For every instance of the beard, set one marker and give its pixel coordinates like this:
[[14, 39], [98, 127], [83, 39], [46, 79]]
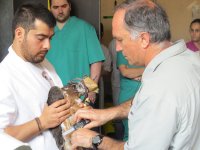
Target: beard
[[29, 56], [62, 18]]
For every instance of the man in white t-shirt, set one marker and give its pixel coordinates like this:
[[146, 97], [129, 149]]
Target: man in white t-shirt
[[24, 114]]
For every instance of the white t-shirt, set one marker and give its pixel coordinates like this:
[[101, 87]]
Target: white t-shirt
[[165, 114], [24, 92], [9, 143]]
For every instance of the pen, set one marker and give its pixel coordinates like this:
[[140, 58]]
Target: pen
[[76, 126]]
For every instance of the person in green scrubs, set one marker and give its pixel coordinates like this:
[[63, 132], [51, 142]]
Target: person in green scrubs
[[75, 49], [129, 83]]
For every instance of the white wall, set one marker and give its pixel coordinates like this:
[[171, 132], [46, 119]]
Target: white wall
[[6, 15]]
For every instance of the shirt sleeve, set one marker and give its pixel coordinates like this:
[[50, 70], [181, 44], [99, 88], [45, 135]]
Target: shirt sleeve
[[8, 142], [8, 108], [95, 51]]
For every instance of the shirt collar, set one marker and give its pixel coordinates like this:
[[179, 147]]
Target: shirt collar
[[56, 29], [177, 48]]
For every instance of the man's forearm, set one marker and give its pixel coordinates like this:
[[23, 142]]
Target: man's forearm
[[121, 111], [95, 71], [134, 72], [111, 144], [23, 132], [131, 72]]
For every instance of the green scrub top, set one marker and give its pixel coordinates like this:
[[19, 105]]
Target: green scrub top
[[128, 88], [73, 49]]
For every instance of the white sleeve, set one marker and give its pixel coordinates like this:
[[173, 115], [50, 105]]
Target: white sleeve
[[8, 107], [9, 143]]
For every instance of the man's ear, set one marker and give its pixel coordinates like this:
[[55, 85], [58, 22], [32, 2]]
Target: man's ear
[[145, 39], [19, 34]]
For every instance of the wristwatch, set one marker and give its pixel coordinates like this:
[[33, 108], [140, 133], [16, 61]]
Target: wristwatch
[[96, 141]]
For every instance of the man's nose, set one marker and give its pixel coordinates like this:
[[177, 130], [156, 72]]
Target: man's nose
[[60, 9], [47, 44], [118, 47]]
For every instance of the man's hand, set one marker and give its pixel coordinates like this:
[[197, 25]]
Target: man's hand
[[51, 117], [83, 138], [96, 116], [55, 114], [92, 96]]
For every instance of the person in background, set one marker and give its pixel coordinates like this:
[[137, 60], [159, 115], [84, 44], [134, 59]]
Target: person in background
[[115, 74], [115, 86], [194, 44], [76, 50], [130, 77], [24, 114], [105, 71], [165, 112], [106, 65]]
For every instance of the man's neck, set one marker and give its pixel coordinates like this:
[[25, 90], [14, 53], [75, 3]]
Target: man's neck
[[16, 49], [60, 25], [155, 49]]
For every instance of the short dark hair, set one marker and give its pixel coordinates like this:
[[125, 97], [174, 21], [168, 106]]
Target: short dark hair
[[69, 1], [27, 13], [146, 16], [195, 21]]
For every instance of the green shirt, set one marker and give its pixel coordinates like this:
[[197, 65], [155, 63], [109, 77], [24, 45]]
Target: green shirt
[[128, 87], [73, 49]]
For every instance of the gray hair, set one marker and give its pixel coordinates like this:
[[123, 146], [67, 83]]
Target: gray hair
[[146, 16]]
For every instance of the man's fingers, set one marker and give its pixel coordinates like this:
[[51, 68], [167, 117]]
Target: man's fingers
[[60, 102], [86, 114], [63, 107], [65, 113], [82, 114], [90, 125]]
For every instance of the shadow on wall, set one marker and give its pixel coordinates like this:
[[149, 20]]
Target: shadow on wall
[[6, 15], [89, 12]]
